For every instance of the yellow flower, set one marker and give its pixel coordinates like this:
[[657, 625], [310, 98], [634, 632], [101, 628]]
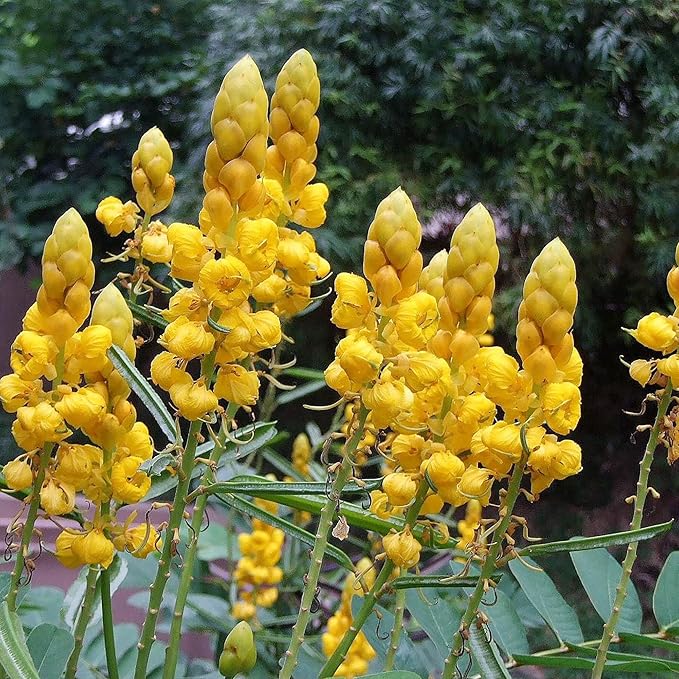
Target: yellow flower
[[270, 290], [57, 497], [226, 282], [64, 548], [553, 460], [476, 483], [168, 370], [309, 210], [353, 304], [189, 251], [187, 339], [37, 425], [293, 299], [33, 356], [561, 406], [136, 442], [15, 392], [83, 408], [116, 216], [193, 399], [498, 370], [266, 331], [642, 371], [387, 399], [400, 488], [402, 548], [258, 246], [359, 359], [407, 450], [336, 378], [187, 302], [155, 245], [670, 367], [673, 279], [141, 540], [423, 370], [237, 385], [93, 548], [18, 474], [657, 332], [75, 463], [415, 320], [301, 453], [128, 484], [444, 470], [151, 178]]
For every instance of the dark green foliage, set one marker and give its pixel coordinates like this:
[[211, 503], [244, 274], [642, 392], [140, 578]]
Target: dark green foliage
[[79, 83], [562, 117]]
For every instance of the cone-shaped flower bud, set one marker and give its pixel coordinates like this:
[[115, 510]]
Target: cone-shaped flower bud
[[469, 282], [673, 281], [546, 313], [151, 178], [431, 278], [239, 653], [391, 259], [237, 155], [111, 311], [63, 300]]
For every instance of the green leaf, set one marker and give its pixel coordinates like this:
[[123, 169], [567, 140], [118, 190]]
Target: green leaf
[[300, 392], [147, 314], [50, 648], [356, 516], [486, 655], [505, 624], [542, 593], [427, 581], [252, 437], [141, 387], [641, 663], [282, 464], [599, 574], [398, 674], [290, 529], [262, 486], [15, 658], [305, 373], [598, 541], [647, 640], [562, 662], [439, 621], [666, 594]]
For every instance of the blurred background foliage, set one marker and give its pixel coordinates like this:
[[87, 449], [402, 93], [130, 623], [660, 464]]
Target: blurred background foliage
[[563, 118]]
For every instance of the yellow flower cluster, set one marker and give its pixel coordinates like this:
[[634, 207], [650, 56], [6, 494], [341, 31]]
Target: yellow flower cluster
[[360, 653], [247, 268], [660, 333], [257, 572], [453, 410], [85, 393]]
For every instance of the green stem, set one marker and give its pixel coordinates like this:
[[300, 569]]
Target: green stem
[[27, 532], [376, 591], [637, 518], [320, 543], [148, 635], [489, 564], [187, 568], [399, 608], [269, 400], [84, 618], [107, 619]]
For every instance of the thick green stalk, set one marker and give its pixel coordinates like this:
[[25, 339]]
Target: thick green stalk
[[320, 543], [370, 599], [399, 608], [84, 618], [107, 620], [637, 518], [174, 642], [27, 531], [148, 634], [489, 564]]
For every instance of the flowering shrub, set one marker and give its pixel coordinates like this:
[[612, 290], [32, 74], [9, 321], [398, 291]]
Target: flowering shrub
[[454, 423]]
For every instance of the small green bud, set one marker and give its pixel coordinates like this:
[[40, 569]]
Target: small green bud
[[240, 652]]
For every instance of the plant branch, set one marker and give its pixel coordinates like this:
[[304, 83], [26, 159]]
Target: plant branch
[[399, 608], [490, 563], [637, 518], [84, 618], [320, 544], [107, 620]]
